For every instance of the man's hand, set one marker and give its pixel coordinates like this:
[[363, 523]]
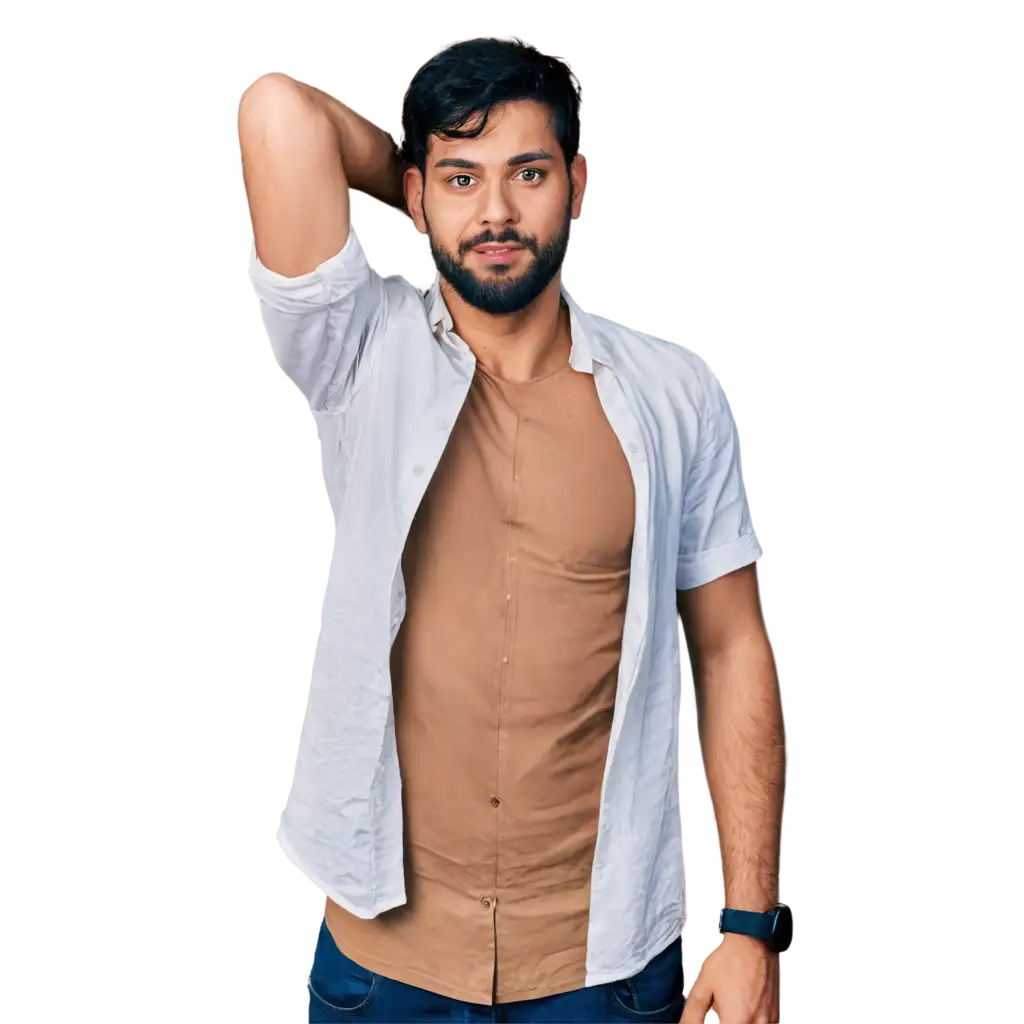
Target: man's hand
[[740, 980]]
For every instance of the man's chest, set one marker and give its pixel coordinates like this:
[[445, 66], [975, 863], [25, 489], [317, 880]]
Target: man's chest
[[538, 463]]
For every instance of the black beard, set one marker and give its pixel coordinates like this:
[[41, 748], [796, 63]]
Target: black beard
[[504, 294]]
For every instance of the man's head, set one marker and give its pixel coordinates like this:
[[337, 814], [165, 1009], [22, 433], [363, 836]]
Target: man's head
[[491, 138]]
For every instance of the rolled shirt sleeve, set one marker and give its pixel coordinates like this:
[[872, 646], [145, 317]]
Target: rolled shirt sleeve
[[716, 534], [322, 324]]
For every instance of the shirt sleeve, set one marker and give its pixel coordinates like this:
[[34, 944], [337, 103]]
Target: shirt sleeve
[[716, 534], [322, 324]]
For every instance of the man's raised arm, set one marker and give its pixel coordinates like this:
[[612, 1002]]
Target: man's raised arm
[[301, 152], [322, 303]]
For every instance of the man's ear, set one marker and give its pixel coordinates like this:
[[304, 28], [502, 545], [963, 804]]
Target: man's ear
[[412, 185], [578, 181]]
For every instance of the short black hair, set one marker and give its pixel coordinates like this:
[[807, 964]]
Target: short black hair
[[477, 74]]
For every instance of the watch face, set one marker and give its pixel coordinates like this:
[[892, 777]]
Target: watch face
[[782, 929]]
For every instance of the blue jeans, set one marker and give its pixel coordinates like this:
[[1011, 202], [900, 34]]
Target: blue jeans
[[340, 989]]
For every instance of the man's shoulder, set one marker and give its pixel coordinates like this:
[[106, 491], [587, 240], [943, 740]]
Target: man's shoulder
[[401, 291], [405, 304], [656, 361]]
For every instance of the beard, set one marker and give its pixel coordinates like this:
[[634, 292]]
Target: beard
[[504, 294]]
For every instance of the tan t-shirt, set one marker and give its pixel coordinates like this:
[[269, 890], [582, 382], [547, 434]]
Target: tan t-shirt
[[504, 678]]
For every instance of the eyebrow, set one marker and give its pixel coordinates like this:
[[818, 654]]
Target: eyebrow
[[513, 161]]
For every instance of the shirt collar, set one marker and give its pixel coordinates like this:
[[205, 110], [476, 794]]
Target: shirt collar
[[587, 340]]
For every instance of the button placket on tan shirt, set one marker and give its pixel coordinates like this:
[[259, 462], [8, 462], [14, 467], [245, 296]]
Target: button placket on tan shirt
[[506, 671]]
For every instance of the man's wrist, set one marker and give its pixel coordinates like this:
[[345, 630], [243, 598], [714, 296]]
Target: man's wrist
[[773, 927], [747, 942], [755, 902]]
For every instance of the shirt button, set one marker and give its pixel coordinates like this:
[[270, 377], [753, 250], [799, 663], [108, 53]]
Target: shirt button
[[508, 597], [495, 801], [417, 469], [485, 902], [632, 447], [504, 660], [439, 423], [515, 479]]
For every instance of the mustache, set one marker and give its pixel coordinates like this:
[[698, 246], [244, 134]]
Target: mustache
[[509, 237]]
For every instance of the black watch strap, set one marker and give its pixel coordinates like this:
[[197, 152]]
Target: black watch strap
[[774, 927]]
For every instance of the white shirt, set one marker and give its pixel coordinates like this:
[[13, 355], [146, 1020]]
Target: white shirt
[[385, 390]]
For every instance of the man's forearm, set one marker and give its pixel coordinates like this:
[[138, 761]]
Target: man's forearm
[[369, 155], [739, 714]]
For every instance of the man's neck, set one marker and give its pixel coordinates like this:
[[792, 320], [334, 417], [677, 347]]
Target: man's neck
[[516, 346]]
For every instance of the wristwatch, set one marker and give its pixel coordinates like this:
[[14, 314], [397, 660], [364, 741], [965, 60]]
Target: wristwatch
[[774, 927]]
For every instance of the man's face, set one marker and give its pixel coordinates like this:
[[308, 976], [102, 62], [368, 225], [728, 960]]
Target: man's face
[[473, 195]]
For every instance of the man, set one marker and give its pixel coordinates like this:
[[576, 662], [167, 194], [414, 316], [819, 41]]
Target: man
[[486, 788]]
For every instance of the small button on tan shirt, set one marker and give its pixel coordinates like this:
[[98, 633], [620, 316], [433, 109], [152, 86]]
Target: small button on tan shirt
[[504, 679]]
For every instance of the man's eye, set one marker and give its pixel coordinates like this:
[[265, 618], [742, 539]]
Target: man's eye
[[457, 176], [533, 170]]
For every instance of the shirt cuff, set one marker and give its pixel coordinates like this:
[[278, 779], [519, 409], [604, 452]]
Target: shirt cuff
[[344, 270], [701, 567]]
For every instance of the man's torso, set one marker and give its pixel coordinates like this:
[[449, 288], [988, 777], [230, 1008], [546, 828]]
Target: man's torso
[[504, 676]]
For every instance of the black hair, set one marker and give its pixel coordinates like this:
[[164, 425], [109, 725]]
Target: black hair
[[477, 74]]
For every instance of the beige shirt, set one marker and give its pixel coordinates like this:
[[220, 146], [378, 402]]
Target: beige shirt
[[504, 674]]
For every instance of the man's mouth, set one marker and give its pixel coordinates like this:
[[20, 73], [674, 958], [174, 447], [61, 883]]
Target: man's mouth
[[492, 253]]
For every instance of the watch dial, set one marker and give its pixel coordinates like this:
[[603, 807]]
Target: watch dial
[[782, 929]]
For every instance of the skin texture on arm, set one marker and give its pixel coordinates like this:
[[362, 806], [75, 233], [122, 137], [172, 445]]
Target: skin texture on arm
[[739, 716], [369, 155], [301, 152]]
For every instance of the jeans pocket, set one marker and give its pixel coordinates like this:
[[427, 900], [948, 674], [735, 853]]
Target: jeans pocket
[[656, 992], [338, 986]]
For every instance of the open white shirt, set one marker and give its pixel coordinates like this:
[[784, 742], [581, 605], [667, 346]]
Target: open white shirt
[[385, 391]]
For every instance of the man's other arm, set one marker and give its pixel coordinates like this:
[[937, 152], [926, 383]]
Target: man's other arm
[[739, 719]]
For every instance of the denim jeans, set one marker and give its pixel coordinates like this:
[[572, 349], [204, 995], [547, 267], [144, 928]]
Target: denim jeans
[[340, 989]]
